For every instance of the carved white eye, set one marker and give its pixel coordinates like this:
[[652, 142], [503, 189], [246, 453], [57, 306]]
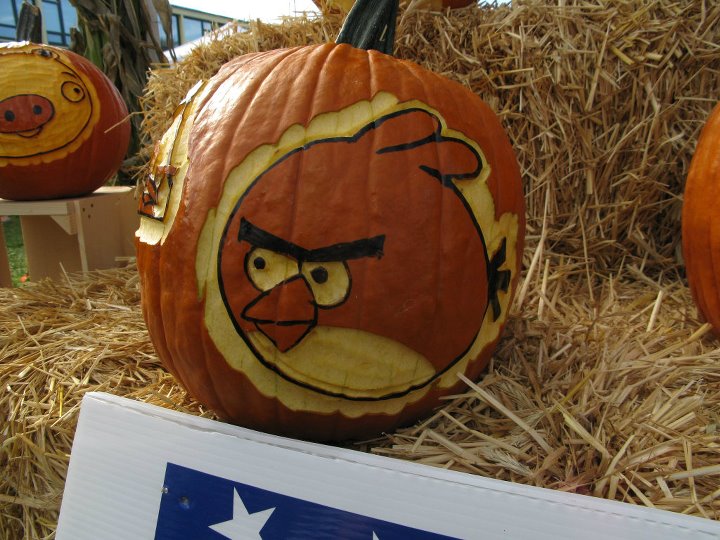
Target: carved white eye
[[72, 91], [266, 268], [329, 281]]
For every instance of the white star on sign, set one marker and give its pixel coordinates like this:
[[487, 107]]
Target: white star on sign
[[243, 525]]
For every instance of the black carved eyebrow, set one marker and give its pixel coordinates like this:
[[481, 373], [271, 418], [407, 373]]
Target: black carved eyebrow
[[357, 249]]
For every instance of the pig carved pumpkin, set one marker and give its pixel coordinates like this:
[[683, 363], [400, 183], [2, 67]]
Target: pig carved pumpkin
[[63, 128], [701, 222], [328, 236]]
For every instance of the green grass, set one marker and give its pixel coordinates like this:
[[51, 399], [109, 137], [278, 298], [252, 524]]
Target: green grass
[[15, 249]]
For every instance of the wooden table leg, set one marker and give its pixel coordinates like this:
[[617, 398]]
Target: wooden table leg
[[5, 278]]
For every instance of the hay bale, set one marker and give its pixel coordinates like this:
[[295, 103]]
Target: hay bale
[[605, 383]]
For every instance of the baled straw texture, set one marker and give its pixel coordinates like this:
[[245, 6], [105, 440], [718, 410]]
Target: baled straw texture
[[606, 383]]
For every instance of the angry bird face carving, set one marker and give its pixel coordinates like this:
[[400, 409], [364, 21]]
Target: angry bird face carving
[[320, 276], [364, 273]]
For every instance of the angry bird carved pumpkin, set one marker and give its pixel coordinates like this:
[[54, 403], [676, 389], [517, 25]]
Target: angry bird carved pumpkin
[[325, 268], [62, 123]]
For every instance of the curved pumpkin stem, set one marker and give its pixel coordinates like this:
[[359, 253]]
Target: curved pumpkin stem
[[370, 24]]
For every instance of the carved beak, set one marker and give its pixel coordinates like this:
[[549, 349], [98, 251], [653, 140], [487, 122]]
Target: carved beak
[[285, 313]]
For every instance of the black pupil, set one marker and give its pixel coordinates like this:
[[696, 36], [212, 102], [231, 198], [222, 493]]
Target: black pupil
[[44, 53], [37, 109], [259, 263], [9, 116], [319, 274]]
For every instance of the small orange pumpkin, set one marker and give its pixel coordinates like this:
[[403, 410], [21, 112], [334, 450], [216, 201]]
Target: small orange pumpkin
[[701, 222], [63, 128], [328, 236]]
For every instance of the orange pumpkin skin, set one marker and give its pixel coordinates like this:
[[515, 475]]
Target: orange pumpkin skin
[[63, 124], [291, 154], [701, 222]]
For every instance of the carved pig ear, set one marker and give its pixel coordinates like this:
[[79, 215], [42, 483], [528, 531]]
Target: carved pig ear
[[417, 133]]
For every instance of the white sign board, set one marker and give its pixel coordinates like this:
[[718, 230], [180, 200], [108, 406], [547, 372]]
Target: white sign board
[[144, 472]]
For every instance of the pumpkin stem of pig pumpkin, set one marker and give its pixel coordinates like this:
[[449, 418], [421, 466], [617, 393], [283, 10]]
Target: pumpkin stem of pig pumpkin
[[370, 24]]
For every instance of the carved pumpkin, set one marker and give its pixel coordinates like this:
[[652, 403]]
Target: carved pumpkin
[[62, 128], [701, 222], [328, 236]]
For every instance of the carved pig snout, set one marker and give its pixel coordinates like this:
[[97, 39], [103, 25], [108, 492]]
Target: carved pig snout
[[25, 114]]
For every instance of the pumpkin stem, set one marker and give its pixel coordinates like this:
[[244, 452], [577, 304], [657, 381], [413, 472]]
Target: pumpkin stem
[[370, 24]]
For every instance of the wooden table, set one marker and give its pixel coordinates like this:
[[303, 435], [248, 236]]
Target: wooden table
[[77, 234]]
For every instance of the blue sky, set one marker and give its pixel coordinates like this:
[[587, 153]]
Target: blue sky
[[266, 10]]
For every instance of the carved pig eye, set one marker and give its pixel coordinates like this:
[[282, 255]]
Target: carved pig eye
[[72, 91], [45, 53], [329, 281], [266, 269]]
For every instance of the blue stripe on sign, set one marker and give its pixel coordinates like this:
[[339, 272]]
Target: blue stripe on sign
[[200, 506]]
